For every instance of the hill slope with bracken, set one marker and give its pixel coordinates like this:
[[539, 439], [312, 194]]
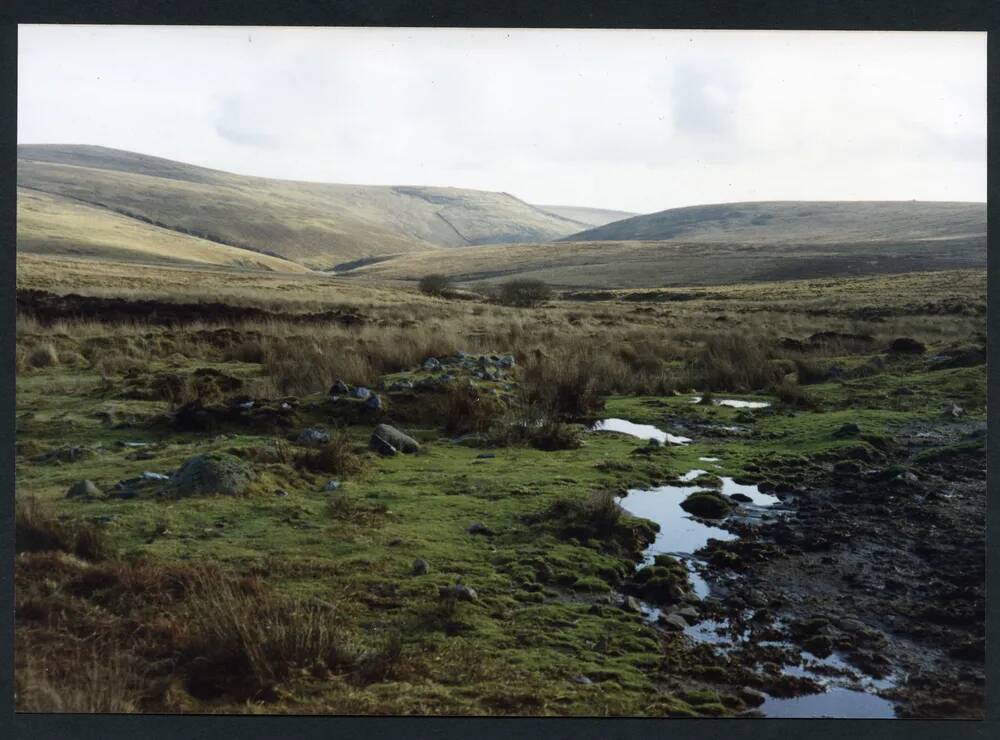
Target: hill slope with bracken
[[317, 225]]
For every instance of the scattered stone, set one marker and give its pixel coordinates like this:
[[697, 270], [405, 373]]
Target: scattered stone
[[402, 385], [458, 591], [395, 438], [673, 622], [953, 410], [478, 528], [280, 492], [83, 489], [313, 436], [631, 604], [751, 697], [689, 613], [362, 393], [373, 402], [214, 472], [340, 388], [706, 504], [148, 475], [432, 365], [420, 567], [331, 485], [379, 445], [581, 680]]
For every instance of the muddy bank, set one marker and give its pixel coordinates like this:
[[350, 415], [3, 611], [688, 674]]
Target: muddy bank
[[873, 581]]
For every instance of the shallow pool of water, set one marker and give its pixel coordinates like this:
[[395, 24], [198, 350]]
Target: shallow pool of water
[[835, 702], [679, 533], [642, 431], [735, 403]]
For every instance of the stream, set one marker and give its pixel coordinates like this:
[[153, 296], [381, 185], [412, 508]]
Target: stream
[[846, 694]]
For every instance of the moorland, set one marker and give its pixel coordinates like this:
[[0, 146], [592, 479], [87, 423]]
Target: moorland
[[247, 482]]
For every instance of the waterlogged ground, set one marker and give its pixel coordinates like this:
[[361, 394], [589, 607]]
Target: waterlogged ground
[[846, 579]]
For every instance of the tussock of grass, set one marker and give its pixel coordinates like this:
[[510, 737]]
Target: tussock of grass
[[36, 529]]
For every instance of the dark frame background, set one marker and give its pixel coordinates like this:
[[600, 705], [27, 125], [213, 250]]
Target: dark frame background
[[885, 15]]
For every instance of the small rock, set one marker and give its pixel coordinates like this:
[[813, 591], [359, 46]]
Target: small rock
[[505, 361], [458, 591], [485, 456], [373, 402], [420, 567], [331, 485], [751, 697], [148, 475], [280, 492], [385, 434], [432, 365], [689, 613], [631, 604], [382, 447], [674, 622], [313, 436], [953, 410], [402, 385], [581, 680], [362, 393], [340, 388], [478, 528], [83, 488]]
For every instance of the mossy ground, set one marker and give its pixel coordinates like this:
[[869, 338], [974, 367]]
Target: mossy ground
[[542, 622]]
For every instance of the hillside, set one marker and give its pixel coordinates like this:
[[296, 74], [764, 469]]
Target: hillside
[[315, 224], [52, 225], [786, 222], [588, 216]]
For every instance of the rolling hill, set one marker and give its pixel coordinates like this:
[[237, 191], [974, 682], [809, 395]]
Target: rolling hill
[[785, 222], [587, 216], [740, 242], [316, 225]]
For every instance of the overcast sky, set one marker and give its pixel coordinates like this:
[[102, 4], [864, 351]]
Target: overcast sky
[[634, 120]]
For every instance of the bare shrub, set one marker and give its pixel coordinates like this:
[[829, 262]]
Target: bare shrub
[[523, 293], [435, 284]]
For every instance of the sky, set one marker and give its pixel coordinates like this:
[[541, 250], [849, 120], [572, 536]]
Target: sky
[[632, 120]]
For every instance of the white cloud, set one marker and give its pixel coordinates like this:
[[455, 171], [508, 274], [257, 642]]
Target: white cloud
[[639, 120]]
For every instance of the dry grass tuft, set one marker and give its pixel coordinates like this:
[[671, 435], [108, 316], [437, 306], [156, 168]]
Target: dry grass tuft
[[36, 529]]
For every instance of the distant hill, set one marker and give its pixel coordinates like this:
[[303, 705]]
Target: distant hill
[[740, 242], [587, 216], [785, 222], [314, 224]]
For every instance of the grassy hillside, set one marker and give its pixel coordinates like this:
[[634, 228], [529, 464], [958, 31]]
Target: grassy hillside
[[641, 264], [588, 216], [318, 225], [787, 222], [52, 225]]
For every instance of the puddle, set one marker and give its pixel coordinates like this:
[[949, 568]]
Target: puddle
[[735, 403], [680, 536], [679, 533], [642, 431], [835, 702]]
